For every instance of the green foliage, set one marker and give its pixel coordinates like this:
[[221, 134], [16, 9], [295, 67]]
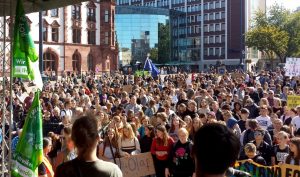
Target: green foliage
[[154, 54], [164, 42], [277, 32]]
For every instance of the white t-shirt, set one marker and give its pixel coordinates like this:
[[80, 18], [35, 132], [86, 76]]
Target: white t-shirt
[[264, 122], [296, 122]]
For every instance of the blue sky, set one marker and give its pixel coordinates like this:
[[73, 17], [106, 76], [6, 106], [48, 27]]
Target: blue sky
[[289, 4]]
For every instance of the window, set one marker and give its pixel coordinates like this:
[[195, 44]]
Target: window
[[223, 51], [206, 40], [106, 38], [211, 39], [76, 62], [205, 28], [211, 5], [205, 17], [205, 51], [222, 15], [77, 35], [91, 15], [223, 38], [217, 5], [106, 16], [211, 28], [223, 4], [217, 39], [54, 12], [192, 18], [55, 34], [45, 33], [211, 51], [223, 26], [90, 62], [217, 26], [217, 51], [205, 6], [91, 37], [211, 16], [199, 18], [49, 61], [217, 16], [76, 12]]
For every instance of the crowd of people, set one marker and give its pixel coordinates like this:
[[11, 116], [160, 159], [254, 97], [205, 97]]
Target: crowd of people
[[162, 115]]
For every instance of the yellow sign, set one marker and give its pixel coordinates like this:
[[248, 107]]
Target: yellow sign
[[293, 101]]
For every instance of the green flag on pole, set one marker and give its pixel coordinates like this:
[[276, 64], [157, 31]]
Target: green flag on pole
[[23, 47], [29, 151]]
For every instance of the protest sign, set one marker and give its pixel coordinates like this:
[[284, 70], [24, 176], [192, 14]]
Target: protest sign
[[257, 170], [127, 88], [293, 101], [292, 67], [136, 165], [221, 70]]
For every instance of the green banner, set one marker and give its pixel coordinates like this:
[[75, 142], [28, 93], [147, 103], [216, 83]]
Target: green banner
[[23, 47], [256, 170], [29, 152]]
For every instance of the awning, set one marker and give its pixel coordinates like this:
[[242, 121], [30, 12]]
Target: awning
[[34, 5]]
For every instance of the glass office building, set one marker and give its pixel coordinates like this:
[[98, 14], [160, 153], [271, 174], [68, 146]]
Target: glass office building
[[143, 30]]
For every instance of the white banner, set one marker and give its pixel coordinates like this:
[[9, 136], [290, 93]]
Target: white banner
[[292, 67]]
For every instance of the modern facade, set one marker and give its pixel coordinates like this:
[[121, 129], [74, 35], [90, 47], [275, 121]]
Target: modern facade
[[148, 30], [215, 28], [77, 38]]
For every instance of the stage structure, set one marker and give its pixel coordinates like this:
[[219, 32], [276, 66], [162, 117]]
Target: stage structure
[[7, 9]]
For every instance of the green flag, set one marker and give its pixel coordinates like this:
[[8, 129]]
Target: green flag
[[24, 53], [29, 151]]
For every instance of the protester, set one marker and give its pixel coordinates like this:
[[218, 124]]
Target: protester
[[85, 137], [294, 156], [45, 168], [180, 159], [160, 149], [250, 151], [211, 160]]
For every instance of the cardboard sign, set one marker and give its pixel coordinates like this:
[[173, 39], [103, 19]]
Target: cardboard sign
[[293, 101], [127, 88], [221, 70], [257, 170], [237, 75], [136, 165]]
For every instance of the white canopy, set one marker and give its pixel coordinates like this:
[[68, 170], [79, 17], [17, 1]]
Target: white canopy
[[34, 5]]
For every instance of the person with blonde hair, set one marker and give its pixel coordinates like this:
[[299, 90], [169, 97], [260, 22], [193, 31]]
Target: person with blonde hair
[[128, 142], [251, 153], [181, 162]]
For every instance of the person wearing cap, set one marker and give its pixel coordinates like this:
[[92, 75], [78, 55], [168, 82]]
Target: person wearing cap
[[264, 120], [231, 122]]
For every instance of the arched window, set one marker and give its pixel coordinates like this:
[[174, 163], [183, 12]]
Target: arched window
[[49, 61], [90, 62], [76, 62]]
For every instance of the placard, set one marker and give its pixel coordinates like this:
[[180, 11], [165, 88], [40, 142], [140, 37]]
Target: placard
[[127, 88], [293, 101], [136, 165], [292, 67]]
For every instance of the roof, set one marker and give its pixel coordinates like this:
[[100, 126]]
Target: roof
[[7, 7]]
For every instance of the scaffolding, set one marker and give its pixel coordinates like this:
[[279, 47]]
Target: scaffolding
[[6, 104]]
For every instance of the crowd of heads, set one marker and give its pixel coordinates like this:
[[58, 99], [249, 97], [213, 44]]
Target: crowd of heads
[[253, 106]]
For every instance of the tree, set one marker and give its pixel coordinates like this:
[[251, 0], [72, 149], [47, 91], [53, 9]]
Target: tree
[[277, 32], [154, 54], [269, 39], [163, 42]]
